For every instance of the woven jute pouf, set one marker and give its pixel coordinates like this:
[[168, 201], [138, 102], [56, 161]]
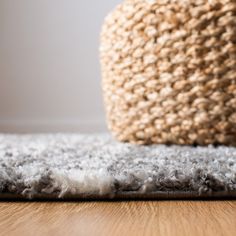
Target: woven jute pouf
[[169, 71]]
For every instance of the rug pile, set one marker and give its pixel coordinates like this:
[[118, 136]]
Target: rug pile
[[76, 166]]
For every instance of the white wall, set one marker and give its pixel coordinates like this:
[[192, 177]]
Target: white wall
[[49, 67]]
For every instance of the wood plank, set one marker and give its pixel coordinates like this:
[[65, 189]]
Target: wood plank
[[119, 218]]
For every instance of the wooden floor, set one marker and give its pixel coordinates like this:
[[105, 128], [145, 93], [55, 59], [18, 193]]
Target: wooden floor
[[119, 218]]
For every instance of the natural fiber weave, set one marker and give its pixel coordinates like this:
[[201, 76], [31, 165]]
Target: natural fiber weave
[[169, 71]]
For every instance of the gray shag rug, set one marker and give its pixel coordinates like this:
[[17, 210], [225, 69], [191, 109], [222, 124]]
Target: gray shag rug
[[74, 166]]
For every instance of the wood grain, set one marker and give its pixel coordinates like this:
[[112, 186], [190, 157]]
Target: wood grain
[[119, 218]]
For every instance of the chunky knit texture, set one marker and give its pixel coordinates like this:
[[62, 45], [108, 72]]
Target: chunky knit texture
[[169, 71]]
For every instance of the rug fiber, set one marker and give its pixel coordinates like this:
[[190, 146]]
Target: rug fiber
[[75, 166]]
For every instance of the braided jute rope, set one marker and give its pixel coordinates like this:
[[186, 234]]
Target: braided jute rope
[[169, 71]]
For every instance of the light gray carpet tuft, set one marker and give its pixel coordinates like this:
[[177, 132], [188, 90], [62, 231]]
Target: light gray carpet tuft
[[96, 166]]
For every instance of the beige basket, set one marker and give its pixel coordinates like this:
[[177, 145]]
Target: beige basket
[[169, 71]]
